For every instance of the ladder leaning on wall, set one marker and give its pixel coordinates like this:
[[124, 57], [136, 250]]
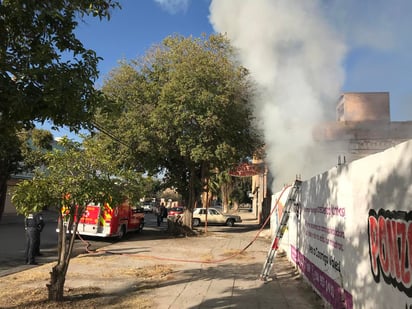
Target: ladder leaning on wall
[[290, 201]]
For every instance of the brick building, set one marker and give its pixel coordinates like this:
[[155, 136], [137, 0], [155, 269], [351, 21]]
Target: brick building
[[363, 126]]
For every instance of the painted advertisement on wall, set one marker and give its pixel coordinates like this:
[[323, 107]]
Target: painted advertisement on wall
[[315, 241], [390, 248], [351, 234]]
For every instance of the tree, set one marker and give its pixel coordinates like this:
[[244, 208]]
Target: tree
[[34, 143], [45, 71], [76, 175], [16, 147], [222, 184], [183, 109], [239, 195], [10, 156]]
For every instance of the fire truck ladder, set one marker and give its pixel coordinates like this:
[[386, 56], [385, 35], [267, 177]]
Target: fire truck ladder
[[291, 200]]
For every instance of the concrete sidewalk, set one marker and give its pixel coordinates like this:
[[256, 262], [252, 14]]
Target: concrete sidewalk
[[234, 283]]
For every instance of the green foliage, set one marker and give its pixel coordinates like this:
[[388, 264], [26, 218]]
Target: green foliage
[[34, 143], [73, 176], [10, 153], [242, 186], [45, 71], [182, 107], [33, 196], [42, 139]]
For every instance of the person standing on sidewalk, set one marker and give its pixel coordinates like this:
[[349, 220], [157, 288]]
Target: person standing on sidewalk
[[33, 224], [158, 215], [161, 213]]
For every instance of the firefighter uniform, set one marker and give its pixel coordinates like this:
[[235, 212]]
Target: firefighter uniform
[[33, 225]]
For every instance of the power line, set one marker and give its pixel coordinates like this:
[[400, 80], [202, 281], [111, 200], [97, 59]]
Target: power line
[[106, 132]]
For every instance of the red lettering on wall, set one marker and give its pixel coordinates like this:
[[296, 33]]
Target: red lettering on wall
[[396, 248], [383, 245], [407, 276], [373, 245], [390, 246]]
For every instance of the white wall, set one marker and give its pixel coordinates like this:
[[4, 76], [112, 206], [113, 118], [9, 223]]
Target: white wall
[[353, 238]]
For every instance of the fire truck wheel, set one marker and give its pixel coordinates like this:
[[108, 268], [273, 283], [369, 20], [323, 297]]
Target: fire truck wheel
[[122, 232]]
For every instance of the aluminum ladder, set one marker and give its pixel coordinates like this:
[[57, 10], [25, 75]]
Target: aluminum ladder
[[291, 200]]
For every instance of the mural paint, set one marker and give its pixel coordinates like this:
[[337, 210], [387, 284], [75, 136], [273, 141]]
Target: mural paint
[[351, 235], [390, 248], [320, 259], [330, 236], [329, 289], [321, 264]]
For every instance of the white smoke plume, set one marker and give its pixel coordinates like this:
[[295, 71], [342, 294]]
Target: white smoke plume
[[296, 59]]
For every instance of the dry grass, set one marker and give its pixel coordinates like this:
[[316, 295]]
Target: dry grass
[[87, 297], [28, 289], [235, 253], [156, 271], [207, 257], [27, 276]]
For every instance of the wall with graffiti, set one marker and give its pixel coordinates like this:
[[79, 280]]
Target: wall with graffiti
[[351, 233]]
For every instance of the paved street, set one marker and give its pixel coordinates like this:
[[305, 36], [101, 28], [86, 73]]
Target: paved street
[[13, 241]]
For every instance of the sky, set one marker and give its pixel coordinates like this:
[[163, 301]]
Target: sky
[[303, 55], [131, 31]]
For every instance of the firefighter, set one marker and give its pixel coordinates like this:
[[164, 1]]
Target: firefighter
[[33, 224]]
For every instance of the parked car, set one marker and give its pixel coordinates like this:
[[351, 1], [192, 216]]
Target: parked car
[[246, 207], [174, 211], [148, 207], [214, 216]]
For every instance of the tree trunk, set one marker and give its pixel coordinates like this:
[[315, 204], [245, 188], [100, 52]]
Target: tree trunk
[[56, 286], [59, 271], [10, 156], [3, 192], [227, 189], [187, 218], [175, 227], [205, 176]]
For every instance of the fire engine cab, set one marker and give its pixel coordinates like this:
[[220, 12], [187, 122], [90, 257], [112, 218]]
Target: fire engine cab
[[106, 221]]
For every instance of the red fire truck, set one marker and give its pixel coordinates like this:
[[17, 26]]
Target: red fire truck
[[106, 221]]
